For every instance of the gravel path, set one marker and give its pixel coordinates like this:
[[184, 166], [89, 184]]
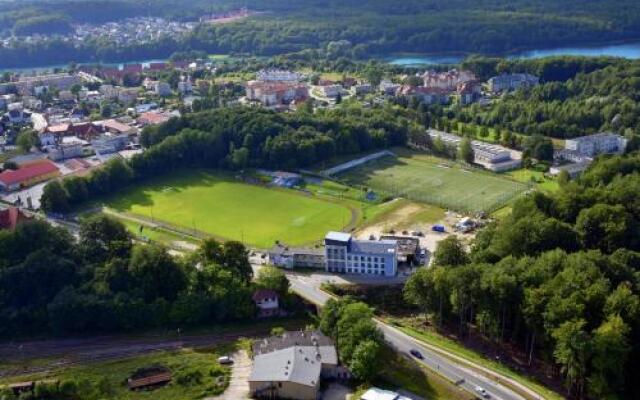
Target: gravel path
[[239, 385]]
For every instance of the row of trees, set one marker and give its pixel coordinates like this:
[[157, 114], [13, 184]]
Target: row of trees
[[103, 282], [236, 138], [559, 278], [358, 340]]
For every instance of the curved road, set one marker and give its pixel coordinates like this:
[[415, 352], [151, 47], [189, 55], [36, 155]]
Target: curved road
[[445, 366]]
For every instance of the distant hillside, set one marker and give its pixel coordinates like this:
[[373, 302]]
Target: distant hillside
[[349, 28]]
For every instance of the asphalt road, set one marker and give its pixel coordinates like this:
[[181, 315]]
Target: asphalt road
[[466, 378]]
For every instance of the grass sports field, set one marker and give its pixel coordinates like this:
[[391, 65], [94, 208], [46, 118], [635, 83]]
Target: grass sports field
[[217, 204], [436, 181]]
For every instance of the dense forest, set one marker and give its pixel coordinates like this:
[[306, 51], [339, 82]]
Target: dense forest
[[559, 278], [593, 100], [235, 138], [350, 28], [103, 282]]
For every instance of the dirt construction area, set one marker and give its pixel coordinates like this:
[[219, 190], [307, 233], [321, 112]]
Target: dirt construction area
[[415, 217]]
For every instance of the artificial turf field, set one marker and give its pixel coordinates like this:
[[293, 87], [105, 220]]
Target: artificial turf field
[[435, 181], [217, 204]]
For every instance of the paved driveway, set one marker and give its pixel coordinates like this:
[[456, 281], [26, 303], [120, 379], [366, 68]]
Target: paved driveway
[[239, 386]]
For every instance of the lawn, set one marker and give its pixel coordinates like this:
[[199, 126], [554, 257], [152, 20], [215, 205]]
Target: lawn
[[196, 374], [436, 181], [215, 203], [528, 175]]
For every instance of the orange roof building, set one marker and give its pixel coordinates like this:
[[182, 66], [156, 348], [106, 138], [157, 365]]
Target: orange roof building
[[28, 175]]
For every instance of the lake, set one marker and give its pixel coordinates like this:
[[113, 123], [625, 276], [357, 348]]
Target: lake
[[628, 50]]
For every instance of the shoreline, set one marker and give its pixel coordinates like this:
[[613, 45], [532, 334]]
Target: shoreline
[[436, 57]]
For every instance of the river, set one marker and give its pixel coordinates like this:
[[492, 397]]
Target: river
[[627, 50]]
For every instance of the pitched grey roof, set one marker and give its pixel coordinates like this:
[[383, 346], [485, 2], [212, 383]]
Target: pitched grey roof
[[294, 364], [317, 342], [289, 339]]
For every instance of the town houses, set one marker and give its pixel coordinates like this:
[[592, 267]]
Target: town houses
[[448, 80], [510, 82], [276, 93]]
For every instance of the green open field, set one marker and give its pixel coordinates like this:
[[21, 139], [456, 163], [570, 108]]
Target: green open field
[[196, 374], [216, 204], [541, 182], [437, 181]]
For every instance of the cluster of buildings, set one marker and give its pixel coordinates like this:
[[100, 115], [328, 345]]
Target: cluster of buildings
[[492, 157], [579, 152], [35, 85], [63, 111], [342, 253], [133, 30], [138, 30], [277, 88], [292, 365], [440, 87]]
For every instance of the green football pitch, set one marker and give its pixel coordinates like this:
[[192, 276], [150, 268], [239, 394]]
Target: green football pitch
[[436, 181], [217, 204]]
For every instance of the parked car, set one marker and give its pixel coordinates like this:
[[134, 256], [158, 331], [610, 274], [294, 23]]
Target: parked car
[[416, 353], [438, 228], [482, 393], [225, 360]]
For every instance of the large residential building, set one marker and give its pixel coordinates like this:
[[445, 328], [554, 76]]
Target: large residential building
[[276, 93], [469, 91], [582, 150], [508, 82], [109, 143], [592, 145], [65, 151], [424, 94], [27, 84], [448, 80], [388, 88], [344, 254], [278, 75], [292, 365], [331, 90], [162, 88], [492, 157]]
